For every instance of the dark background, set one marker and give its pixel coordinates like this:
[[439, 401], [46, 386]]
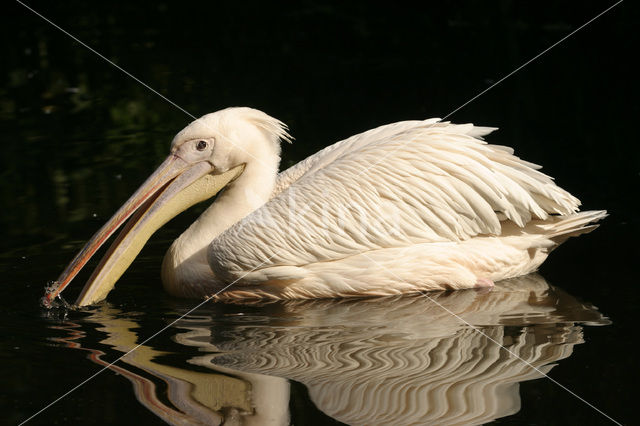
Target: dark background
[[78, 136]]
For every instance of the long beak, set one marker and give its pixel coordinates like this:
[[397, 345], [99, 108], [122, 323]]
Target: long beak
[[174, 187]]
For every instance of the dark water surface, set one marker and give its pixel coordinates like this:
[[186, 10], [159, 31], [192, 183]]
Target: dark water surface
[[79, 136]]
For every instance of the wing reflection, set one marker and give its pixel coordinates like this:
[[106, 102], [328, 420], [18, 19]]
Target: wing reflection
[[373, 361]]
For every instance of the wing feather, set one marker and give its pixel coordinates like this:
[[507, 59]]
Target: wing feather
[[394, 186]]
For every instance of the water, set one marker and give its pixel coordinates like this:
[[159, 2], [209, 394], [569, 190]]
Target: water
[[79, 137]]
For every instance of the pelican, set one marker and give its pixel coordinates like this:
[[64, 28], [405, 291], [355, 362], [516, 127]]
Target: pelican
[[407, 207]]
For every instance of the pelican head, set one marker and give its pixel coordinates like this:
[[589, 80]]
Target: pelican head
[[206, 156]]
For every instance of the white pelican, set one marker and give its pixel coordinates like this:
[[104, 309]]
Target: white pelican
[[407, 207]]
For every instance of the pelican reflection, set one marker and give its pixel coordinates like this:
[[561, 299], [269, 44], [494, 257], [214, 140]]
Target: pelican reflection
[[399, 360]]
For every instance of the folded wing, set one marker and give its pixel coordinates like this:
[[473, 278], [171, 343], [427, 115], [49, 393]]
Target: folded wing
[[398, 185]]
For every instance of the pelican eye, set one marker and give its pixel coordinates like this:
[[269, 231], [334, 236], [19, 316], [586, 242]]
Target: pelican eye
[[201, 145]]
